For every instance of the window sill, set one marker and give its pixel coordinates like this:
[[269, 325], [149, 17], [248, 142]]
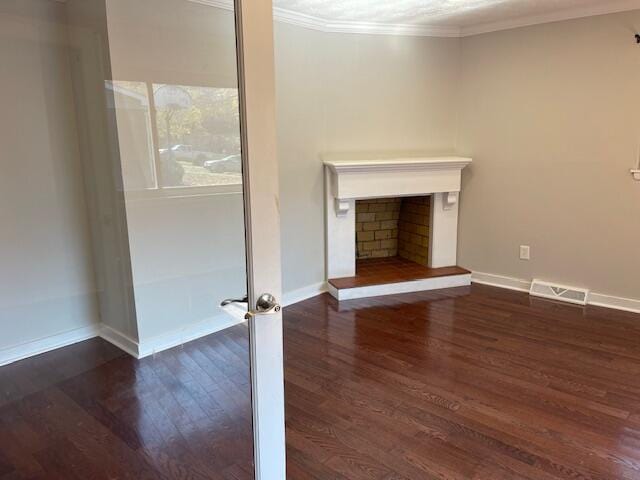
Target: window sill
[[182, 192]]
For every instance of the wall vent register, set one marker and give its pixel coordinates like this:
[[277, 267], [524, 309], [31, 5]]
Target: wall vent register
[[579, 296]]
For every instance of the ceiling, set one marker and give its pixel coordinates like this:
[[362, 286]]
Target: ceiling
[[438, 17]]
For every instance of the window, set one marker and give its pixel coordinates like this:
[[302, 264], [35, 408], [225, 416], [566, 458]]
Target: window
[[177, 137]]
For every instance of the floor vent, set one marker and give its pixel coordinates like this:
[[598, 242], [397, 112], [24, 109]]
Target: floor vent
[[559, 292]]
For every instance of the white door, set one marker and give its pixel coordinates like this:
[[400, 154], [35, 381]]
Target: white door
[[262, 220]]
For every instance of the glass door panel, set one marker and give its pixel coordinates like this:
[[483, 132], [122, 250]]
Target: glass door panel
[[123, 218], [174, 101]]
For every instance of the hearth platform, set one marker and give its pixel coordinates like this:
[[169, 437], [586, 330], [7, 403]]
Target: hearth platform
[[388, 276]]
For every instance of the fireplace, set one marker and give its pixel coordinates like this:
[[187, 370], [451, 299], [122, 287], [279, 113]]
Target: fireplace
[[395, 219]]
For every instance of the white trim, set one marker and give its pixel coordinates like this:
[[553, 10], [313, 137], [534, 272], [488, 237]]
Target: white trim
[[375, 28], [501, 281], [595, 299], [123, 342], [174, 338], [184, 335], [183, 192], [567, 14], [42, 345], [340, 26], [120, 340], [618, 303], [411, 164], [304, 293], [377, 178], [400, 287], [372, 28]]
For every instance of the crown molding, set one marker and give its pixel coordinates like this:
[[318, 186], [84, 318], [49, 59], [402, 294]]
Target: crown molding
[[372, 28], [338, 26], [562, 15]]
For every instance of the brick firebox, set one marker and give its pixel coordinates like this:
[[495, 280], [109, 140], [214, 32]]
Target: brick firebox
[[389, 227]]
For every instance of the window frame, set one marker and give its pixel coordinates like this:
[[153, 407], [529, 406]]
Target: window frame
[[160, 190]]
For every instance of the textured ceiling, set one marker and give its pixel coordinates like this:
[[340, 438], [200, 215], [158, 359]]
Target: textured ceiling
[[437, 13]]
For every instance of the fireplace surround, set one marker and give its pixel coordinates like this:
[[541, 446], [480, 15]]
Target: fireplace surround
[[352, 179]]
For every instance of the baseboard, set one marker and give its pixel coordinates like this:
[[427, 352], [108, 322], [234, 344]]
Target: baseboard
[[42, 345], [596, 299], [501, 281], [304, 293], [120, 340], [186, 334], [192, 332], [619, 303]]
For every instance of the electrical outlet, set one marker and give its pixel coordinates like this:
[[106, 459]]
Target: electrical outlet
[[525, 252]]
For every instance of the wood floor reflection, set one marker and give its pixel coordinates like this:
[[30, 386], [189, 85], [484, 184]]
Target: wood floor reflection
[[89, 411], [465, 384]]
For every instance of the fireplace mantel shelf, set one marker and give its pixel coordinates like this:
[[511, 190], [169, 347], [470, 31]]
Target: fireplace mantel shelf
[[411, 164], [359, 179]]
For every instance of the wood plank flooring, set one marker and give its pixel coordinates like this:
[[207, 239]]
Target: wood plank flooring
[[472, 383], [89, 411]]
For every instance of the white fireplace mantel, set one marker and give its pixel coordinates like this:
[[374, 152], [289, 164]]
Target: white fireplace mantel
[[360, 179], [348, 180]]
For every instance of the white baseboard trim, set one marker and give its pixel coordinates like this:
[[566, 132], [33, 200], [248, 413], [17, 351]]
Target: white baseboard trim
[[596, 299], [123, 342], [619, 303], [501, 281], [438, 283], [187, 334], [42, 345], [120, 340], [304, 293]]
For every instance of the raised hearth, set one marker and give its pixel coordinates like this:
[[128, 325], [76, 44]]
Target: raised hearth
[[385, 276]]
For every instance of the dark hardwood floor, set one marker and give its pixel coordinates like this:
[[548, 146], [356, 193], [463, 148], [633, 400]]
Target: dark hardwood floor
[[89, 411], [464, 384]]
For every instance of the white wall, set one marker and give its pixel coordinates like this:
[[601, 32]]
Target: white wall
[[47, 283], [300, 111], [550, 115], [352, 93]]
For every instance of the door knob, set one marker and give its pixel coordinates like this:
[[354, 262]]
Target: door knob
[[265, 304]]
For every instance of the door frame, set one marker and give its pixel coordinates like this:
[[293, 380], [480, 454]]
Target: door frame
[[256, 84]]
